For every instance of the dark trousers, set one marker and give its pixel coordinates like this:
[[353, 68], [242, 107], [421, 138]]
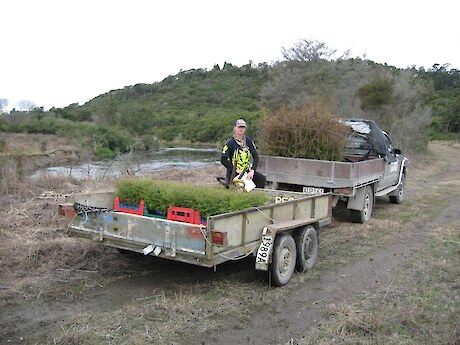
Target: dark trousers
[[259, 179]]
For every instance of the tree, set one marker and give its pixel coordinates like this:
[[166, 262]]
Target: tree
[[376, 94], [26, 105], [352, 88], [445, 98], [3, 105], [310, 50], [444, 78]]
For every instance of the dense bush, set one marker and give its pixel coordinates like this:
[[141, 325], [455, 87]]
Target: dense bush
[[100, 139], [198, 105], [159, 195], [194, 105], [309, 131]]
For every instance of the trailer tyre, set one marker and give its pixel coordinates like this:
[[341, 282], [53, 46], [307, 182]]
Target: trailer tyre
[[399, 197], [283, 260], [306, 241], [364, 215]]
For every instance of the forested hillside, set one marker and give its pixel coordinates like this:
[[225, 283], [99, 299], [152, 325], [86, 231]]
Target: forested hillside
[[194, 105], [198, 105]]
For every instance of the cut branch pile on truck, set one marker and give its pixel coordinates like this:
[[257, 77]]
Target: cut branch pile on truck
[[366, 167]]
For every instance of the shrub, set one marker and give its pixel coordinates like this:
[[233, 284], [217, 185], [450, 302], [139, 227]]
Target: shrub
[[309, 131], [105, 153], [209, 200]]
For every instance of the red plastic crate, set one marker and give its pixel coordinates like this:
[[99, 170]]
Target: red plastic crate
[[67, 210], [184, 214], [132, 209]]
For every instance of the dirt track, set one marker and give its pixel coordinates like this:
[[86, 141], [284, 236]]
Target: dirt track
[[287, 320], [38, 303]]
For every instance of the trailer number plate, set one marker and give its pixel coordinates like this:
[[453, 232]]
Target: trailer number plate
[[263, 253], [313, 190]]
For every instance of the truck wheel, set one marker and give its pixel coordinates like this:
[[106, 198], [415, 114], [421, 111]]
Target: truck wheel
[[306, 241], [283, 260], [364, 215], [399, 197]]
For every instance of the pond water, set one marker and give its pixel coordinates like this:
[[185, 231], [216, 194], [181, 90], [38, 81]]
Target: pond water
[[138, 164]]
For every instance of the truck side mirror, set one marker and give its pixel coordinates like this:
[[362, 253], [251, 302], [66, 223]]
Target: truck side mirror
[[397, 151]]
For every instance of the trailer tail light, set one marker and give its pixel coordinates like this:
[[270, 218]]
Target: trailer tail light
[[219, 238], [67, 210]]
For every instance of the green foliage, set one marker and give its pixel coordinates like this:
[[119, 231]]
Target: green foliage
[[104, 153], [159, 195], [94, 136], [444, 100], [198, 105], [375, 94], [194, 105], [311, 131], [146, 143], [4, 126], [444, 78], [392, 97], [45, 125]]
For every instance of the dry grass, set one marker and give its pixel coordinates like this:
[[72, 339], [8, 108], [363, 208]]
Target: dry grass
[[38, 262], [21, 153], [34, 246], [31, 144], [168, 318], [35, 249], [420, 306]]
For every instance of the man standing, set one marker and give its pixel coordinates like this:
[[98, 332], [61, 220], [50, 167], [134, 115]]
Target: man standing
[[238, 153]]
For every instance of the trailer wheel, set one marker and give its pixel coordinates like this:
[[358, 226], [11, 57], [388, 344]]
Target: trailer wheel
[[364, 215], [306, 241], [283, 260], [399, 197]]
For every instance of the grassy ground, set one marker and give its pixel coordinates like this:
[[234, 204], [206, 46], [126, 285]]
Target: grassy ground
[[421, 303], [87, 294], [420, 306]]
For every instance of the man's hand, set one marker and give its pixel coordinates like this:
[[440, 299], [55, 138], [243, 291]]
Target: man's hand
[[250, 174]]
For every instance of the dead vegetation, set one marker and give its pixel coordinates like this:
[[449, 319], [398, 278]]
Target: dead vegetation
[[420, 303], [71, 283], [419, 306], [309, 131]]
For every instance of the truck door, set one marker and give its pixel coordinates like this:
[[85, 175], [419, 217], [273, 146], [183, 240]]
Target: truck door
[[392, 166]]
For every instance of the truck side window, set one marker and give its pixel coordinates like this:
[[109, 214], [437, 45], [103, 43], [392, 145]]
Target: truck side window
[[389, 145]]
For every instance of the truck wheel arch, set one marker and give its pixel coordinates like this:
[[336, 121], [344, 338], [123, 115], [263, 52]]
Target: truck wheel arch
[[397, 196], [361, 204]]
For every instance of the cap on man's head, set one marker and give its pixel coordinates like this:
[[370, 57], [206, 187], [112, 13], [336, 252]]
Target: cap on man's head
[[240, 123]]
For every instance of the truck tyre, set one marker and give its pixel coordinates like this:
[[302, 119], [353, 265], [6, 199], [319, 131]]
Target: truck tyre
[[306, 241], [283, 260], [364, 215], [399, 197]]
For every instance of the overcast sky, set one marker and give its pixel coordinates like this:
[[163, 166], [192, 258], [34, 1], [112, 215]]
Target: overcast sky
[[58, 52]]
